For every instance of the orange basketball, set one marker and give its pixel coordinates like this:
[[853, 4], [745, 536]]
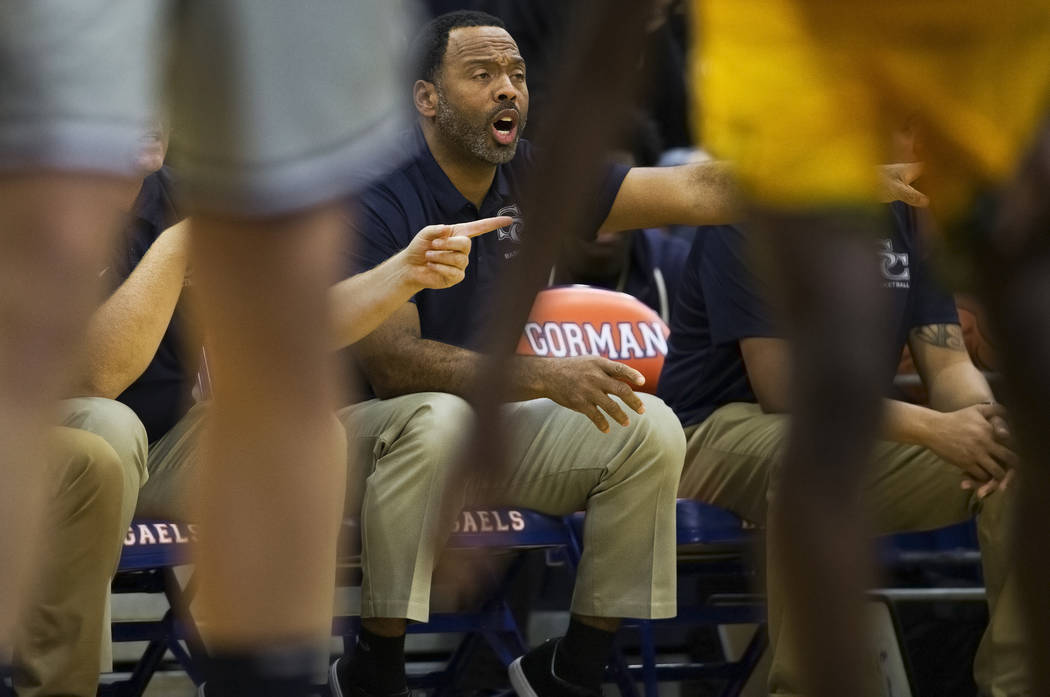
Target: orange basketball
[[585, 321]]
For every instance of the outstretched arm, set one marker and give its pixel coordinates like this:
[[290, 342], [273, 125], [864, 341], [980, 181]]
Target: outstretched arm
[[705, 193]]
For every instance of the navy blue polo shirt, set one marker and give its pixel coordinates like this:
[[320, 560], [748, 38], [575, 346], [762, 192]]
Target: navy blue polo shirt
[[392, 210], [162, 394], [721, 302]]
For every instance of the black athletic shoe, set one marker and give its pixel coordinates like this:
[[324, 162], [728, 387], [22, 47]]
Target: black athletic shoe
[[343, 685], [532, 675]]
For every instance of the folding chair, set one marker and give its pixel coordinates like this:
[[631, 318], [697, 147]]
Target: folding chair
[[152, 551], [492, 622]]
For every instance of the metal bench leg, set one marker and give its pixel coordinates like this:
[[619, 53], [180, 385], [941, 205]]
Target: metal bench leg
[[652, 687], [182, 623], [748, 662], [460, 657], [620, 674], [147, 665]]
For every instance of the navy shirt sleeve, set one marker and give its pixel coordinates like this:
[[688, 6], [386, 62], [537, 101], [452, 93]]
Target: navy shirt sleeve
[[927, 301], [930, 303], [612, 180]]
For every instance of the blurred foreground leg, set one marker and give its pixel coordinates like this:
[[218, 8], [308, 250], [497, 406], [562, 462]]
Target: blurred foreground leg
[[273, 474], [54, 232], [817, 537], [1017, 289]]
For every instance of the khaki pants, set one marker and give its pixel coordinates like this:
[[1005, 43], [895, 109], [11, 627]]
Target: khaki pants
[[732, 461], [101, 475], [64, 624], [403, 449]]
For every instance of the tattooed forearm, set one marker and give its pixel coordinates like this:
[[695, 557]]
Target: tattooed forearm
[[944, 335]]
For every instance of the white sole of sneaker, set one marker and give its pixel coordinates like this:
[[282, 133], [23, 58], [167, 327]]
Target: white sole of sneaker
[[333, 680], [517, 680]]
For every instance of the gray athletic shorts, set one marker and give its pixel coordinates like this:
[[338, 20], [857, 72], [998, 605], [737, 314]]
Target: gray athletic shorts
[[277, 105]]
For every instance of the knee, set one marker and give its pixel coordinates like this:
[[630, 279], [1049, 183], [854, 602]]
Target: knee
[[993, 510], [439, 426], [660, 432], [115, 423], [93, 474]]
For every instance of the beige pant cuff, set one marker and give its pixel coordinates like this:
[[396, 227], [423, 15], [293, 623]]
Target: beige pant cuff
[[405, 609], [642, 611]]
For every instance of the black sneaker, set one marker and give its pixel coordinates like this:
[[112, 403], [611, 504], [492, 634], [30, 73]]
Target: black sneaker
[[343, 685], [532, 675]]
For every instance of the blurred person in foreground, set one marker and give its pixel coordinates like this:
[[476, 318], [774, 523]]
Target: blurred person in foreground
[[727, 378], [466, 159], [61, 638], [276, 110], [129, 441], [846, 73]]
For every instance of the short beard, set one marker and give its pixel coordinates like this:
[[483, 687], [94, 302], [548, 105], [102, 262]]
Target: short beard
[[458, 128]]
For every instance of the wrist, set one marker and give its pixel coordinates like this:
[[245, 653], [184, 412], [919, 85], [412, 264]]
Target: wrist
[[400, 275], [528, 377], [911, 424], [929, 426]]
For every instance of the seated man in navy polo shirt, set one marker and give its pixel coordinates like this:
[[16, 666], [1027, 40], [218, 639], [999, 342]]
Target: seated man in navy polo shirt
[[464, 161], [726, 378]]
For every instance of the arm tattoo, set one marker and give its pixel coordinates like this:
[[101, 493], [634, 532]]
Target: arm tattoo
[[944, 335]]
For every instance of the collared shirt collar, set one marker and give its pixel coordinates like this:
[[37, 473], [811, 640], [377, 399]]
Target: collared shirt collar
[[451, 202]]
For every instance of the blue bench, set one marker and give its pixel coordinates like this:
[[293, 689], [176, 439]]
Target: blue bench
[[153, 549]]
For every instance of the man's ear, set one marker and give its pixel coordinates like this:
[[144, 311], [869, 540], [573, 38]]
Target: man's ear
[[424, 96]]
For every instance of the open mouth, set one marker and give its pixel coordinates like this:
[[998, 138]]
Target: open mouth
[[505, 127]]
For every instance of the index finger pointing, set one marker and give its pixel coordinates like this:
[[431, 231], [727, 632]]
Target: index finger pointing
[[480, 227]]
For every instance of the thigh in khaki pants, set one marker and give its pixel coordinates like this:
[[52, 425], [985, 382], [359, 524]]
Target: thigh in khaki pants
[[732, 461], [59, 635], [401, 452], [100, 472], [626, 480], [559, 463]]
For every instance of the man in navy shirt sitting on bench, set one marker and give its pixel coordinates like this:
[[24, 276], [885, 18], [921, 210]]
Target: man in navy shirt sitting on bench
[[464, 160], [726, 378]]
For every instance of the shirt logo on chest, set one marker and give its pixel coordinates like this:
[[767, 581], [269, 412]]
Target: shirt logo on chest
[[894, 266], [513, 231]]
